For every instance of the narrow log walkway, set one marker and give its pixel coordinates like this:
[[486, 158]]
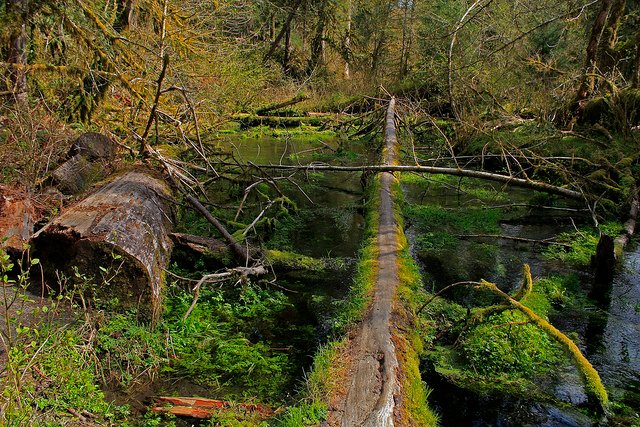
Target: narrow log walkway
[[373, 377]]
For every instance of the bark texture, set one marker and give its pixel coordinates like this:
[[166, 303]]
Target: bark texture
[[121, 228]]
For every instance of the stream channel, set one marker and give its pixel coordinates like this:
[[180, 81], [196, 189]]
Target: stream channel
[[329, 223]]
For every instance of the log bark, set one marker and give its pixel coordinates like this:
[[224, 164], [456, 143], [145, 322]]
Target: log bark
[[118, 236]]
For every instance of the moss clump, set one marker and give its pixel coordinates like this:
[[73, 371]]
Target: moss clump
[[508, 342], [296, 261], [583, 244]]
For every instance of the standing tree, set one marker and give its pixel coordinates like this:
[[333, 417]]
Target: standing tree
[[17, 17]]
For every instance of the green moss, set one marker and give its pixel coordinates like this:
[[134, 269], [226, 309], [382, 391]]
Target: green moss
[[296, 261], [508, 343], [583, 244]]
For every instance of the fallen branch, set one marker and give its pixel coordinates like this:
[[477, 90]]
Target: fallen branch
[[239, 273], [514, 238], [506, 179]]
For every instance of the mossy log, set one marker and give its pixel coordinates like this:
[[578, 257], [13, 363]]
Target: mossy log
[[248, 121], [272, 107], [280, 261], [115, 242]]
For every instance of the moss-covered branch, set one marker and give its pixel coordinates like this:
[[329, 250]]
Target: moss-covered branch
[[594, 386]]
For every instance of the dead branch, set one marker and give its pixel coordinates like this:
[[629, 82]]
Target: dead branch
[[506, 179], [238, 273], [513, 238]]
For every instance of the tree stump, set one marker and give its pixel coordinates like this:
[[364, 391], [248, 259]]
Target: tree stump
[[115, 243]]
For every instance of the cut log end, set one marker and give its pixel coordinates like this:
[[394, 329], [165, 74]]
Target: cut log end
[[113, 245]]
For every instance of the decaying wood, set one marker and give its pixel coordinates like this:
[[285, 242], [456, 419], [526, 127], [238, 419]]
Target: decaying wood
[[197, 407], [17, 216], [119, 236]]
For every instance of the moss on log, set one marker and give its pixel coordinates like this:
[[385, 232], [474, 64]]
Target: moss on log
[[114, 243]]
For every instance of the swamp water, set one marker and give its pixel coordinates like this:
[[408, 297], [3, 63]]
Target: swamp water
[[609, 337], [328, 223]]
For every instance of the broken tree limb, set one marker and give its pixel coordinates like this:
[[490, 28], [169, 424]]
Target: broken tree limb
[[239, 273], [115, 242], [506, 179], [240, 252]]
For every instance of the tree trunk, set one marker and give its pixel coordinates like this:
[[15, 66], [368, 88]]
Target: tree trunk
[[18, 11], [607, 57], [635, 81], [118, 240], [124, 17], [588, 80], [285, 29], [347, 43]]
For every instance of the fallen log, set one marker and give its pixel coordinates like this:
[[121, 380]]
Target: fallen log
[[489, 176], [116, 239], [90, 155], [272, 107]]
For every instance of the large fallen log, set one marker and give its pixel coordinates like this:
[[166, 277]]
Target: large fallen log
[[114, 243]]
